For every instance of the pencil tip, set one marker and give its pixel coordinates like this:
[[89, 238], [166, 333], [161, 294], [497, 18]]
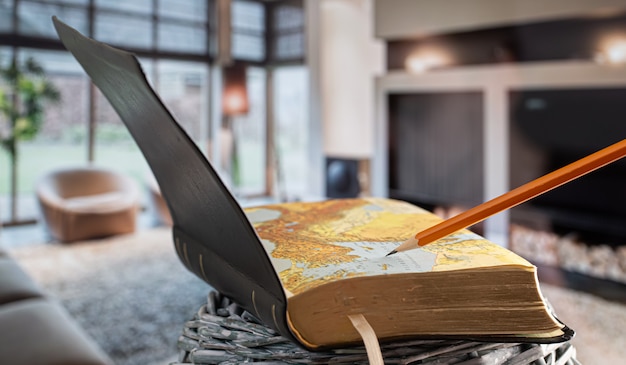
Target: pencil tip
[[391, 253]]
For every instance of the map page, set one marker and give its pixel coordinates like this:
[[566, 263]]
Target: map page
[[311, 244]]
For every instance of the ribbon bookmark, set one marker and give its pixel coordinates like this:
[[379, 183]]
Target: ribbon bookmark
[[370, 340]]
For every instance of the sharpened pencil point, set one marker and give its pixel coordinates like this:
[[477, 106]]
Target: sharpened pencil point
[[391, 253]]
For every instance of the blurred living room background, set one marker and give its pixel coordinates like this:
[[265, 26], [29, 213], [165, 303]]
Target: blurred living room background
[[444, 104]]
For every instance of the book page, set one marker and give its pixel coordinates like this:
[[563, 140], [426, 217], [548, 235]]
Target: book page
[[314, 243]]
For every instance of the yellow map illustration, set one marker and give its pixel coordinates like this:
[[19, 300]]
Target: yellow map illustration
[[315, 243]]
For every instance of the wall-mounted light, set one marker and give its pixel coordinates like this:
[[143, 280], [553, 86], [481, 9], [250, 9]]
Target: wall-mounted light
[[426, 59], [235, 91], [417, 64], [612, 51]]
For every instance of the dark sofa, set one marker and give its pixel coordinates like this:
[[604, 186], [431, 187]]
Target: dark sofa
[[34, 329]]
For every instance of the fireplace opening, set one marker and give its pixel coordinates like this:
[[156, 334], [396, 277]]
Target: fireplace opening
[[548, 130]]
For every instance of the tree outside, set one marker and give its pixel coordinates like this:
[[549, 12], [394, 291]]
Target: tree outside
[[24, 91]]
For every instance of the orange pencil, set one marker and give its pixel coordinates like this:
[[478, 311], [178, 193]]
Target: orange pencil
[[517, 196]]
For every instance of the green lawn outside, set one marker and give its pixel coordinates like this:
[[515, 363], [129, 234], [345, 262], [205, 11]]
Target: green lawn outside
[[36, 159]]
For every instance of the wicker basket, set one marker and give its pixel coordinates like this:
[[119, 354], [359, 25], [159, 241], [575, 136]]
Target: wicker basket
[[221, 333]]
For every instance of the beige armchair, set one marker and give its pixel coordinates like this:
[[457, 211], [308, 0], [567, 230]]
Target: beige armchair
[[87, 202]]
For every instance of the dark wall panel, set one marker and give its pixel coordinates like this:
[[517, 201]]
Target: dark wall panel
[[436, 147]]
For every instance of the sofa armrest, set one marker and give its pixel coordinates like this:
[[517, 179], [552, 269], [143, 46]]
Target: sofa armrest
[[40, 332], [14, 283]]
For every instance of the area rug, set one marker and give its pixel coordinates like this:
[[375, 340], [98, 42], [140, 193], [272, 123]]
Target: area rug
[[599, 324], [132, 295]]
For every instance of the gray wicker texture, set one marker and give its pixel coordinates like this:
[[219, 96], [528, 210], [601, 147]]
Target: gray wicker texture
[[221, 333]]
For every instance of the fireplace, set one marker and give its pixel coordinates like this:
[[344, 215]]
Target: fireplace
[[435, 155], [550, 128], [438, 149]]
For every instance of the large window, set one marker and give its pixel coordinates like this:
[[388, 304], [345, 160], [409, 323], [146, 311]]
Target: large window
[[172, 38], [6, 15], [287, 32], [248, 27], [124, 29], [175, 40], [34, 17], [182, 26], [249, 167], [291, 131], [166, 25]]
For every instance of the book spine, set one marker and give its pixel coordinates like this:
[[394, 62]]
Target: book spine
[[245, 291]]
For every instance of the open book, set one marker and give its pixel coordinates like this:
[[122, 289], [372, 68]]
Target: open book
[[304, 268]]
